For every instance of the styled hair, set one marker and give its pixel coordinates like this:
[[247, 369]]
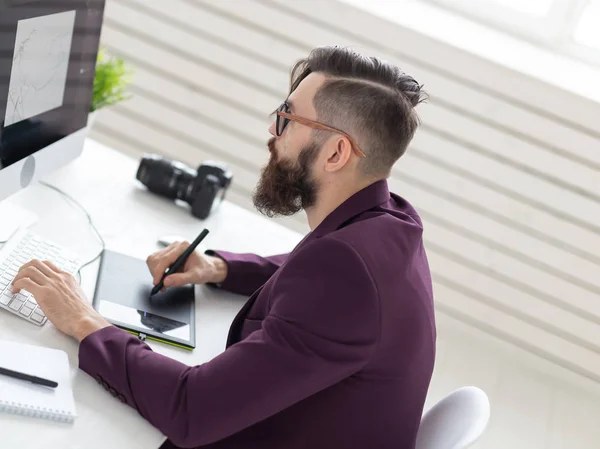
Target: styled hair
[[368, 98]]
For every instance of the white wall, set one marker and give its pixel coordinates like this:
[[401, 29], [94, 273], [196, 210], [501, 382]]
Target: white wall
[[505, 172]]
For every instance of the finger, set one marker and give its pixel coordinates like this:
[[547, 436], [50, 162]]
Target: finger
[[167, 259], [42, 267], [168, 250], [32, 273], [53, 267], [25, 265], [178, 279], [154, 259], [151, 259], [161, 265], [27, 284]]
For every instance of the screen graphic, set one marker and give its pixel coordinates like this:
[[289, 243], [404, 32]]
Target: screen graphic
[[39, 67]]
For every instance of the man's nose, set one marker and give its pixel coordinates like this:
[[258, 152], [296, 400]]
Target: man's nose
[[272, 130]]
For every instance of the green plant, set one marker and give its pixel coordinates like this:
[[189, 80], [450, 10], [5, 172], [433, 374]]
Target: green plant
[[113, 76]]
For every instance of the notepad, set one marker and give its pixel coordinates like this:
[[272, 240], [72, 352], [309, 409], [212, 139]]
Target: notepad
[[25, 398]]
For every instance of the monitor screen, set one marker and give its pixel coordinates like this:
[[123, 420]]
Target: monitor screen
[[48, 51]]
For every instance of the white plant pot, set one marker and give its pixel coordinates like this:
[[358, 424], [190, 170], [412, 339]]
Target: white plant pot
[[91, 118]]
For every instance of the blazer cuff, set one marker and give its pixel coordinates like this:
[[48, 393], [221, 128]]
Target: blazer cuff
[[90, 344], [233, 280]]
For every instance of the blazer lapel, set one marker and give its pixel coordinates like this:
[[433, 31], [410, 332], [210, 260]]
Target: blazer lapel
[[238, 321], [363, 200]]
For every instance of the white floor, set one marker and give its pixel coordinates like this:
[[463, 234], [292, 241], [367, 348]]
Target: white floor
[[534, 403]]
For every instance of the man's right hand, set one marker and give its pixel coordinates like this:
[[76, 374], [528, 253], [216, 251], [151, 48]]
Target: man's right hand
[[198, 269]]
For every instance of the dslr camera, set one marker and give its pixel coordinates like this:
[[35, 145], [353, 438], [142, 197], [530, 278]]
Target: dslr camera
[[177, 181]]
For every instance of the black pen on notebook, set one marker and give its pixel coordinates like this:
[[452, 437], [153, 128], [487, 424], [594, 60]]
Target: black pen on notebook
[[28, 377], [180, 262]]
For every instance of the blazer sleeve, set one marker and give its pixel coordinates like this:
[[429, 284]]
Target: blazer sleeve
[[247, 272], [323, 327]]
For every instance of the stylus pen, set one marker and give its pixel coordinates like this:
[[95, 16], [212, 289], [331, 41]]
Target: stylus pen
[[28, 377], [180, 262]]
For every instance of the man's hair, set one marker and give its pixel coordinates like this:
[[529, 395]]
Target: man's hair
[[370, 99]]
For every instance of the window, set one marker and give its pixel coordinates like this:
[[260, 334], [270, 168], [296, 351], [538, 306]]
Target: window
[[587, 31], [536, 8], [570, 27]]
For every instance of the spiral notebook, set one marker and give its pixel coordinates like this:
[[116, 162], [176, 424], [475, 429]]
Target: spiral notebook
[[25, 398]]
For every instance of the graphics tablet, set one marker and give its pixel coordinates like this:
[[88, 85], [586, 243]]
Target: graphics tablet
[[122, 297]]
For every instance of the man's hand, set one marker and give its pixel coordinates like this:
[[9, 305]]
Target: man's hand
[[198, 269], [60, 297]]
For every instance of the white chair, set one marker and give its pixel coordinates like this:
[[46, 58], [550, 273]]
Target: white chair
[[456, 421]]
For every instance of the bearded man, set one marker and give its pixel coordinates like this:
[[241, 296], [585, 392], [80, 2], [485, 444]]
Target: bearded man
[[335, 347]]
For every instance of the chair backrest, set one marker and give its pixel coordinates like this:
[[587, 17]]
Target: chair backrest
[[456, 421]]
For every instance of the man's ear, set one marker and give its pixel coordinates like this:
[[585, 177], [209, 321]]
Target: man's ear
[[338, 152]]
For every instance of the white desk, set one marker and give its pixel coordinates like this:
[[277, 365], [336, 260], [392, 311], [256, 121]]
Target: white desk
[[130, 219]]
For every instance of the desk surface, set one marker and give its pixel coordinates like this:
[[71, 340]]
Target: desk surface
[[130, 220]]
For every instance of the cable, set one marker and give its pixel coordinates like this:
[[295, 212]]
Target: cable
[[89, 218]]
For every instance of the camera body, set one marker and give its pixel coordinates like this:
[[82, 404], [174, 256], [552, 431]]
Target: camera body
[[212, 181], [175, 180]]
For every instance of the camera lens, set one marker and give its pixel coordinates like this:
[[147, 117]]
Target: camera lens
[[165, 177]]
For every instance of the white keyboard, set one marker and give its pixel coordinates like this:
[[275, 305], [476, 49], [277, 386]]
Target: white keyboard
[[23, 246]]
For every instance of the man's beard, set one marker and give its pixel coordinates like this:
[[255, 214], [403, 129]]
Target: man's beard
[[286, 187]]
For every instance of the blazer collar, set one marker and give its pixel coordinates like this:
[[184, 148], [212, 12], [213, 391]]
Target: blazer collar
[[371, 196]]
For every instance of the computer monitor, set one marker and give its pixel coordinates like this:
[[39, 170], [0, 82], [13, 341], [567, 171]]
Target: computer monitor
[[48, 51]]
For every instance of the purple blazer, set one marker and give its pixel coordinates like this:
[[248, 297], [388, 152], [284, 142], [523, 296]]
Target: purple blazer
[[334, 348]]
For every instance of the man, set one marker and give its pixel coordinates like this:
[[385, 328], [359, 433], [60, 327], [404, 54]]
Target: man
[[335, 347]]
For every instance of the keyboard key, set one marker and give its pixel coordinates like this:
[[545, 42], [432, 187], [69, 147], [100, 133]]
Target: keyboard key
[[26, 294], [37, 318], [6, 298], [30, 246], [16, 304], [26, 311]]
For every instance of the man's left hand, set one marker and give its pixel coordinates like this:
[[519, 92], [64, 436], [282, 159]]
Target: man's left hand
[[60, 297]]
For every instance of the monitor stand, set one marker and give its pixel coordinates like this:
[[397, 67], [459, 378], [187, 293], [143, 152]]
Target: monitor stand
[[13, 218]]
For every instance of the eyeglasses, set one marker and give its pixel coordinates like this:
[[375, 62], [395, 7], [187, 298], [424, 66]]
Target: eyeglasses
[[284, 117]]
